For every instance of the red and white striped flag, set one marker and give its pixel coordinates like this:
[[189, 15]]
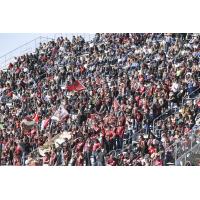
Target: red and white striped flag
[[45, 123], [36, 118]]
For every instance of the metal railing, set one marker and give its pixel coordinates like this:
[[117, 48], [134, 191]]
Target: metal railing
[[160, 116], [188, 96], [28, 47], [129, 141], [191, 157], [178, 149], [171, 110]]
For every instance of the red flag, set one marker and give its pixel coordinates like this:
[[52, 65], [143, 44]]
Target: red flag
[[70, 88], [115, 104], [36, 118], [78, 86], [45, 123]]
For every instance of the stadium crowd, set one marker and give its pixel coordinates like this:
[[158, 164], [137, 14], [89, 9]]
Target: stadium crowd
[[104, 95]]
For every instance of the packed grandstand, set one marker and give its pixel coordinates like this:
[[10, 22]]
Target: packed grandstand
[[115, 100]]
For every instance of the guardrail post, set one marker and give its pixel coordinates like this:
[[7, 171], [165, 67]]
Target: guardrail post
[[185, 159], [176, 151], [153, 125], [191, 142]]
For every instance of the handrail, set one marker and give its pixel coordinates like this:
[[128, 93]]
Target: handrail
[[136, 133], [184, 98], [177, 162], [181, 106], [21, 50], [40, 37], [125, 140], [6, 58], [190, 94], [178, 142], [159, 118]]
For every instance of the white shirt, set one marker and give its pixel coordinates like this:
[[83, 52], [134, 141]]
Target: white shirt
[[175, 87]]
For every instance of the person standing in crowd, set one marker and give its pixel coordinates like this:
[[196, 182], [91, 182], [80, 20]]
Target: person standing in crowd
[[117, 93]]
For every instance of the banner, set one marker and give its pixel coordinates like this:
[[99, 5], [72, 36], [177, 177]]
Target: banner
[[27, 123], [60, 114], [70, 88], [77, 86]]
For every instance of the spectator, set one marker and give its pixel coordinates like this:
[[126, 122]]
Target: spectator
[[104, 93]]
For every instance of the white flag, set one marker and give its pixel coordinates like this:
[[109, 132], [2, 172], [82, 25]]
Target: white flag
[[60, 114]]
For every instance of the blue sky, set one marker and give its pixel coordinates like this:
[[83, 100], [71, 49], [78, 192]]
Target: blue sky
[[10, 41]]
